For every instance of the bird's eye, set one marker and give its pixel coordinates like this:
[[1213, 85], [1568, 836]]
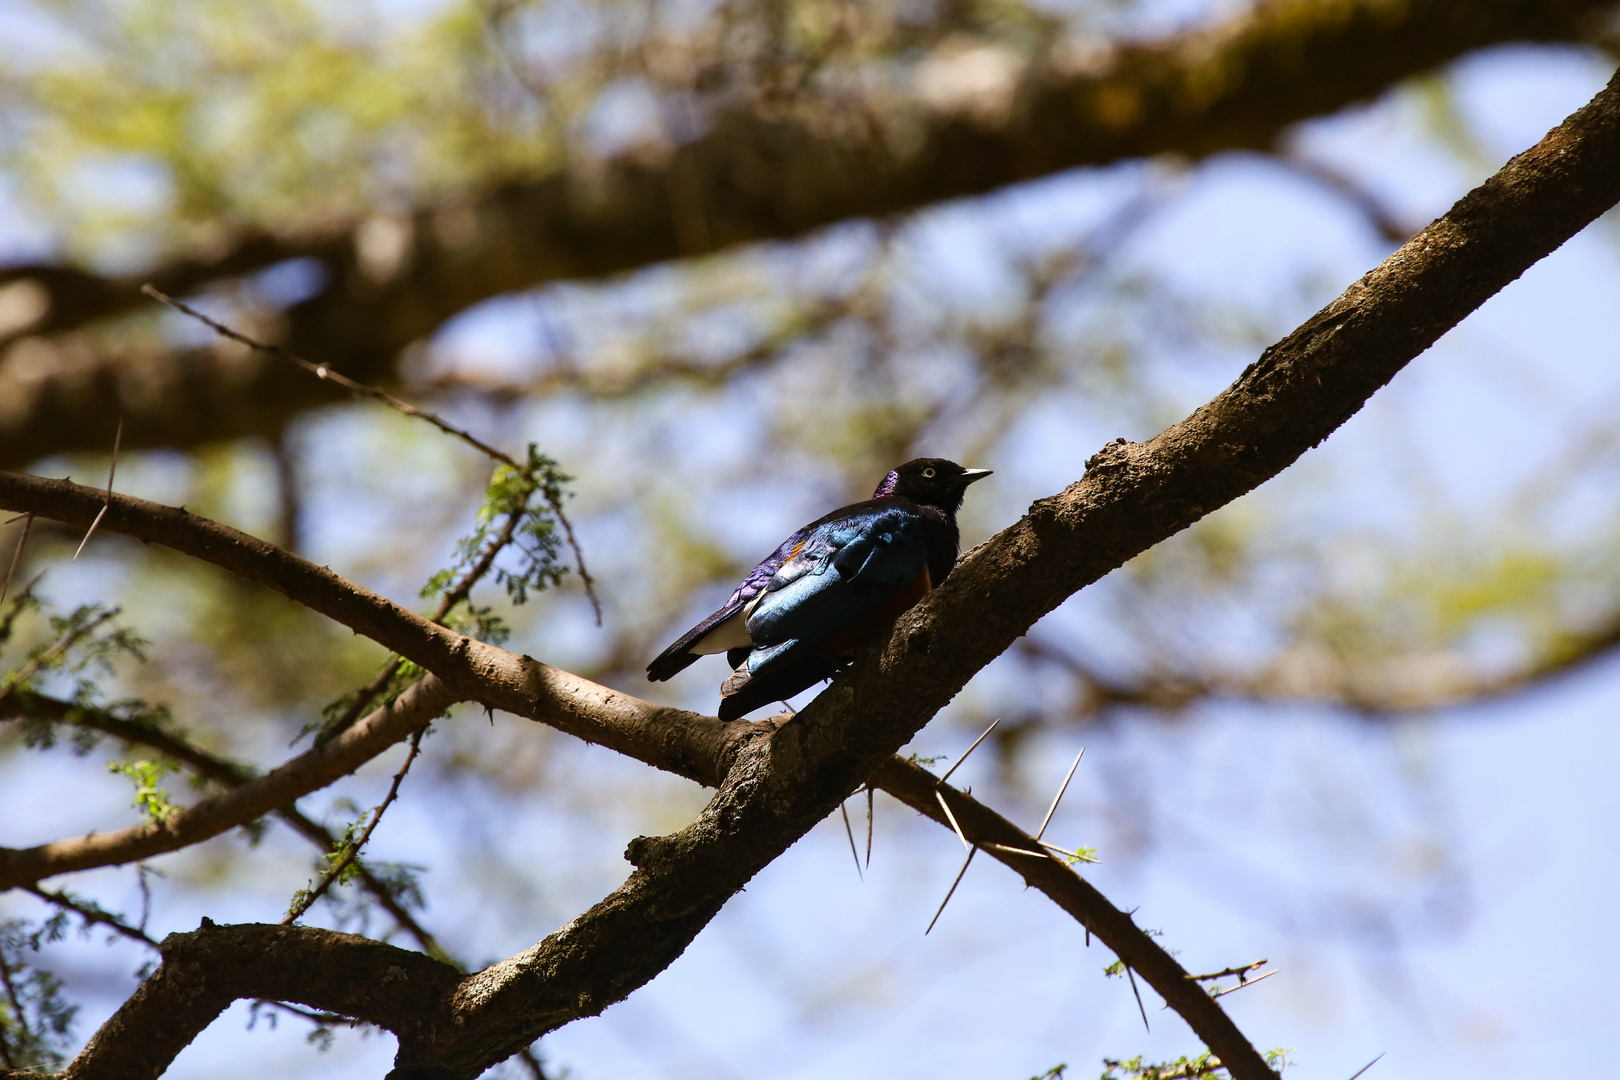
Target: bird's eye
[[929, 473]]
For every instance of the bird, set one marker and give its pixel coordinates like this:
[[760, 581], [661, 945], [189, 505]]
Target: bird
[[799, 616]]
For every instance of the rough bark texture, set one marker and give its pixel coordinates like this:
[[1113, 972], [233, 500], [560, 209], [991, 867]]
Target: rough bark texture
[[204, 971], [778, 783], [757, 173]]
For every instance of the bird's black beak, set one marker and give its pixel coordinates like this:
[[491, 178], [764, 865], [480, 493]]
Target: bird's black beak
[[970, 475]]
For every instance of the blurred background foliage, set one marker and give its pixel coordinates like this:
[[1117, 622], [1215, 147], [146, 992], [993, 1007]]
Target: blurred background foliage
[[1266, 683]]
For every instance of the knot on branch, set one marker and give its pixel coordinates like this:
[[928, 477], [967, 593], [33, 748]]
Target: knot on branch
[[646, 852], [919, 641], [1112, 453]]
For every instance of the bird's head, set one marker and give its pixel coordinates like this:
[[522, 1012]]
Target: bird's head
[[932, 481]]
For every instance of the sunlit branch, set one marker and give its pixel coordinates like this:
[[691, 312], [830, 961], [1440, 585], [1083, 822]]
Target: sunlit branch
[[229, 774], [474, 670], [310, 771]]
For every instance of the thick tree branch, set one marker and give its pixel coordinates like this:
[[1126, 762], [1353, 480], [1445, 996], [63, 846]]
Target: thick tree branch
[[759, 171], [204, 971], [1133, 495]]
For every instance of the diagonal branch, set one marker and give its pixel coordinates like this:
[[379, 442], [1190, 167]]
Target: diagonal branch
[[212, 767], [1005, 842], [309, 771], [777, 787], [758, 171]]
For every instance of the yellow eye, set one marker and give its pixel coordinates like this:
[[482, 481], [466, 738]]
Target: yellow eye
[[929, 473]]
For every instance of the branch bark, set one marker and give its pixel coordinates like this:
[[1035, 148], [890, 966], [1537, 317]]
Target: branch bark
[[309, 771], [471, 669], [778, 785], [758, 172], [33, 706]]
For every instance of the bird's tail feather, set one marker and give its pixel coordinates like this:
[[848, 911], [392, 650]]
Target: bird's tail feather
[[742, 693]]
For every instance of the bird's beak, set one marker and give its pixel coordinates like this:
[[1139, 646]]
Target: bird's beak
[[970, 475]]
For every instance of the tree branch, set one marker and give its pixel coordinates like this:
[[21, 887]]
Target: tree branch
[[472, 669], [916, 787], [309, 771], [204, 971], [759, 171], [33, 706]]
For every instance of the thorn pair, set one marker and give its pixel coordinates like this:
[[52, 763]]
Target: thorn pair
[[973, 849]]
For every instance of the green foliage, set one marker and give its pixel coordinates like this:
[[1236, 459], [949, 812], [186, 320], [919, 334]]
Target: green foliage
[[343, 851], [1183, 1068], [1205, 1065], [338, 714], [35, 1021], [1056, 1072], [519, 511], [21, 604], [75, 646], [188, 99], [150, 798]]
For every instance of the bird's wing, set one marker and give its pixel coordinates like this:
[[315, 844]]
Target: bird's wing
[[690, 645], [848, 569]]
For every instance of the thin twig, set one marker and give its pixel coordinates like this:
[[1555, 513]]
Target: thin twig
[[1244, 982], [325, 373], [112, 470], [954, 884], [587, 582], [352, 849], [1240, 972], [459, 592], [91, 913], [16, 556], [67, 641]]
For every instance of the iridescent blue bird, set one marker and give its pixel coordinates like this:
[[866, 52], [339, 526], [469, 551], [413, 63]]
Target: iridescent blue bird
[[798, 617]]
